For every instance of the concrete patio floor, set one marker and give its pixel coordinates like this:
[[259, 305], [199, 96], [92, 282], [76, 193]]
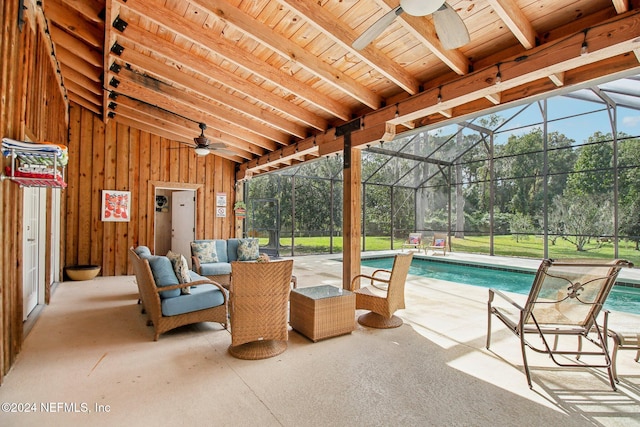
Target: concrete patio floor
[[91, 346]]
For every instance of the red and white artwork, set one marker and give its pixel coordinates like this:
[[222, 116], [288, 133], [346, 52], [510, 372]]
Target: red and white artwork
[[115, 205]]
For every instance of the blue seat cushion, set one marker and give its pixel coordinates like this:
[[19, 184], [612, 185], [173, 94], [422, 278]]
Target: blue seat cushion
[[201, 297], [164, 275], [195, 276], [215, 269]]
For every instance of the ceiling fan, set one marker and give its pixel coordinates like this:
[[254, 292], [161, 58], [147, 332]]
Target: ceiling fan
[[449, 26], [204, 147]]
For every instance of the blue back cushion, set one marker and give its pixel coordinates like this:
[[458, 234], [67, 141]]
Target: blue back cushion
[[220, 247], [232, 249], [164, 275], [142, 251]]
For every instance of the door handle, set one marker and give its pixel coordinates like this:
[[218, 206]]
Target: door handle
[[31, 240]]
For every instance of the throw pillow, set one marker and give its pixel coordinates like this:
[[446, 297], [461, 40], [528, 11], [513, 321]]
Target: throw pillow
[[439, 243], [248, 249], [181, 268], [205, 251]]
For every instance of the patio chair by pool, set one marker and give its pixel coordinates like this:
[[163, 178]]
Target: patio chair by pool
[[439, 243], [565, 299], [414, 241], [624, 340], [385, 295], [259, 298]]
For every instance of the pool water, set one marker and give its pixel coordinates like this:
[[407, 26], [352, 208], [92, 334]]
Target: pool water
[[621, 298]]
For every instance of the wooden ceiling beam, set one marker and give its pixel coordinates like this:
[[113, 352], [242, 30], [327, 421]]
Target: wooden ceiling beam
[[511, 14], [156, 94], [613, 45], [168, 128], [159, 132], [189, 127], [71, 60], [324, 21], [611, 38], [425, 32], [89, 9], [621, 6], [184, 27], [95, 98], [80, 79], [208, 69], [73, 97], [184, 135], [293, 52], [154, 77], [82, 50], [72, 21]]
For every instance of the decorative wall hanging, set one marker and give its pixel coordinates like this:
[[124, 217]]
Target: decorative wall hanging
[[115, 205], [162, 204]]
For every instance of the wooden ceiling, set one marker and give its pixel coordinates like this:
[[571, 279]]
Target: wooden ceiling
[[276, 80]]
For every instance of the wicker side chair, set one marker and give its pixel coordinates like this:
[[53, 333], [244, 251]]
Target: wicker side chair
[[385, 295], [259, 297]]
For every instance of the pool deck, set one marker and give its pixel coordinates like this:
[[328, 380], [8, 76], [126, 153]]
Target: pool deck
[[91, 344]]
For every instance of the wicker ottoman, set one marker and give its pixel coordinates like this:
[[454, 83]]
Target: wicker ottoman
[[320, 312]]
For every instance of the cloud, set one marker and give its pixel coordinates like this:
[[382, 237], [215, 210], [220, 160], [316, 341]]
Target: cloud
[[631, 121]]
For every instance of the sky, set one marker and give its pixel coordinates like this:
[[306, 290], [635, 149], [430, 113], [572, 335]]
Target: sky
[[576, 119], [580, 119]]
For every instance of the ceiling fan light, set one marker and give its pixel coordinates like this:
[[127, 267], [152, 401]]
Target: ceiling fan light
[[201, 151], [421, 7]]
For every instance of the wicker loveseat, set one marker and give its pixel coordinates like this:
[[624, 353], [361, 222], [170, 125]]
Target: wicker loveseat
[[165, 305], [213, 258]]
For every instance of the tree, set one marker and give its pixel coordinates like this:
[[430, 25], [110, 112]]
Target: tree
[[580, 217], [629, 188], [520, 225], [593, 172]]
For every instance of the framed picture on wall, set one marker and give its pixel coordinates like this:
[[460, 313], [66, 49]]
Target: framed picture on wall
[[115, 205]]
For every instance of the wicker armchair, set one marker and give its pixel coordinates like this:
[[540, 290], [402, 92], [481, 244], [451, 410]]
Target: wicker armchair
[[259, 297], [152, 302], [385, 295]]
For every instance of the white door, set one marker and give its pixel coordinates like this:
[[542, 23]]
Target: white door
[[183, 222], [55, 236], [31, 249]]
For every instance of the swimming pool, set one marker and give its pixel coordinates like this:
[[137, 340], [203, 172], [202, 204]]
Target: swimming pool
[[621, 298]]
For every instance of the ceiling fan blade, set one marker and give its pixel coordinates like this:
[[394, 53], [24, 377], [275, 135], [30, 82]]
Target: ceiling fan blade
[[376, 29], [225, 151], [450, 28], [217, 145]]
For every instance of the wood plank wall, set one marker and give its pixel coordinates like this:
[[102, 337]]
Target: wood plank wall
[[114, 156], [102, 156], [32, 105]]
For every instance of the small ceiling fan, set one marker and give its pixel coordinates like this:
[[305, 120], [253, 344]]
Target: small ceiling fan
[[449, 26], [204, 147]]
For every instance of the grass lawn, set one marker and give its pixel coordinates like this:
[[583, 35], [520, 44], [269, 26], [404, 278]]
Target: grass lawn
[[530, 247]]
